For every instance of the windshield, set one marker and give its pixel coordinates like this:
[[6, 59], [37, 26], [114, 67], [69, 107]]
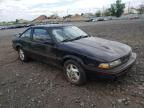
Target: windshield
[[68, 33]]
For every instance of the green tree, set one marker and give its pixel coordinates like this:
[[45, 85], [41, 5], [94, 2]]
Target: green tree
[[82, 14], [98, 14], [16, 21], [141, 9], [68, 16], [117, 8], [107, 12]]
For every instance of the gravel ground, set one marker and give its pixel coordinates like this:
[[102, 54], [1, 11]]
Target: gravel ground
[[38, 85]]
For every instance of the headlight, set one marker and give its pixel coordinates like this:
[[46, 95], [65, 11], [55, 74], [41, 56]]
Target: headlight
[[110, 65], [115, 63]]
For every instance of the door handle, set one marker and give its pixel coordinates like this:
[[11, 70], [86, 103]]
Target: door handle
[[35, 45]]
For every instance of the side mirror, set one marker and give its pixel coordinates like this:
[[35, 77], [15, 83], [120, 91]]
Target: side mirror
[[17, 35], [20, 34]]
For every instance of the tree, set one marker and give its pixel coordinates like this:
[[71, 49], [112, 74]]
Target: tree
[[68, 16], [107, 12], [98, 13], [16, 21], [117, 8], [82, 14], [141, 9]]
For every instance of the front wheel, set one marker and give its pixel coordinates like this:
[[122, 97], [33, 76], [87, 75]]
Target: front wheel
[[74, 72], [22, 55]]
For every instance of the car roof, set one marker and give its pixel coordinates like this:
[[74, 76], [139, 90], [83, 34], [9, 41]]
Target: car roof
[[52, 25]]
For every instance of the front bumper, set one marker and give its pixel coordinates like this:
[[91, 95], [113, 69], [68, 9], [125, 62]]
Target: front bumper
[[117, 71]]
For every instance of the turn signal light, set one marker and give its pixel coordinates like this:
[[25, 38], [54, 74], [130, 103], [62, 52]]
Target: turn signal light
[[104, 66]]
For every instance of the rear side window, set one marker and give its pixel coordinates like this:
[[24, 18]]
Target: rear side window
[[41, 34], [26, 34]]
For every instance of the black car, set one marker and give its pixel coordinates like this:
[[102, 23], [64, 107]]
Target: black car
[[80, 55]]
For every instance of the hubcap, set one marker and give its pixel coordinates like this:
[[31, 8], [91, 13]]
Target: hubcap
[[21, 54], [73, 72]]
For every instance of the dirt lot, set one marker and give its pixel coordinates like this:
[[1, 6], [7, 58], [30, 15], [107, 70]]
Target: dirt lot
[[38, 85]]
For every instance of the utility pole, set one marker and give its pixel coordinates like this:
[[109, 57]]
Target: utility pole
[[129, 7], [103, 11], [67, 12]]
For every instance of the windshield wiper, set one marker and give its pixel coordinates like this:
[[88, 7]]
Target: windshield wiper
[[79, 37], [66, 40]]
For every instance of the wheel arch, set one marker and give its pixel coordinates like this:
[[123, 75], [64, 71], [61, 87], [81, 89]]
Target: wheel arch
[[72, 57], [18, 46]]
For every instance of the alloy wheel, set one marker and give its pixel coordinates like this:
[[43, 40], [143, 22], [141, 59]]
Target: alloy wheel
[[21, 54], [73, 73]]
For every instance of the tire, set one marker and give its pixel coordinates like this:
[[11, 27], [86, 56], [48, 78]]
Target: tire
[[22, 55], [74, 73]]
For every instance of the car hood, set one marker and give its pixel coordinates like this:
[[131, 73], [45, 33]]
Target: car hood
[[99, 48]]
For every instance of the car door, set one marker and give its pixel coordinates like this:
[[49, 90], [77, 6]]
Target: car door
[[25, 40], [42, 45]]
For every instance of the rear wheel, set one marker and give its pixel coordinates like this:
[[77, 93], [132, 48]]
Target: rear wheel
[[74, 72], [22, 55]]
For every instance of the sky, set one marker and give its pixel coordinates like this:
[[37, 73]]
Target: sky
[[30, 9]]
